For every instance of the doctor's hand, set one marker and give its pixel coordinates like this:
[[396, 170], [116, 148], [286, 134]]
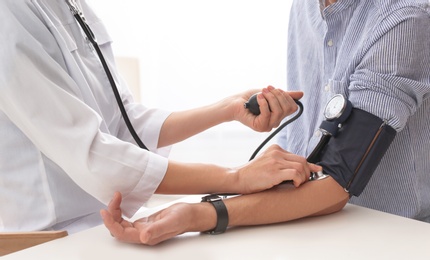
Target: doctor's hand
[[274, 104], [270, 168], [165, 224]]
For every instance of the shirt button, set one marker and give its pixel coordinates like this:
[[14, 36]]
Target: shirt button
[[327, 88], [330, 43]]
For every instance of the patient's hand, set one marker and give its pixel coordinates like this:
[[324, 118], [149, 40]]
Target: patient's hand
[[160, 226]]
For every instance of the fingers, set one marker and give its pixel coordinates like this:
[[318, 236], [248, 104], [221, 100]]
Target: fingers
[[151, 230], [275, 105], [165, 224], [157, 232], [296, 95], [290, 166], [122, 231], [296, 169], [118, 227], [114, 206], [280, 102], [263, 104], [314, 167], [108, 221], [115, 202]]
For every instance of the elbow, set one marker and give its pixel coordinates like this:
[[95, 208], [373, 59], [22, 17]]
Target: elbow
[[339, 199], [334, 207], [339, 205], [335, 198]]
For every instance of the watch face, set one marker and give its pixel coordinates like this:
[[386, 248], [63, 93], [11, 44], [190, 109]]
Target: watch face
[[335, 107]]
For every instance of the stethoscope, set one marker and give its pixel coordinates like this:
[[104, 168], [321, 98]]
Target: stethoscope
[[336, 111], [92, 38]]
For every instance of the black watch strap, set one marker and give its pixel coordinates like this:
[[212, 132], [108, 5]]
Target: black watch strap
[[221, 212]]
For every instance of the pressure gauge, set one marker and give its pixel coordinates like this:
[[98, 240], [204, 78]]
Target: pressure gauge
[[336, 112], [337, 109]]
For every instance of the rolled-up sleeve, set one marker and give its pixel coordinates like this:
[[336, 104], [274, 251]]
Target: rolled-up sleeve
[[392, 78]]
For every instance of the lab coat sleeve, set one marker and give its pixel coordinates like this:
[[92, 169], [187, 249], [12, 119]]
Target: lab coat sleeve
[[144, 121], [43, 101]]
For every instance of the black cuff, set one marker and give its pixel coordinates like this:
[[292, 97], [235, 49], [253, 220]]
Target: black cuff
[[221, 212], [354, 154]]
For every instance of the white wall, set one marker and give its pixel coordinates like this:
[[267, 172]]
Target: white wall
[[193, 52]]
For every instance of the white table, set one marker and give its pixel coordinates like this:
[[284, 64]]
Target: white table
[[353, 233]]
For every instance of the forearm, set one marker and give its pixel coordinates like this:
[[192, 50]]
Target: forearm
[[196, 178], [184, 124], [279, 204], [286, 203], [274, 104], [271, 167]]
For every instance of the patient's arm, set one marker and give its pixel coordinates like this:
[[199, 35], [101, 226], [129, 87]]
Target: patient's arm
[[280, 204], [286, 203]]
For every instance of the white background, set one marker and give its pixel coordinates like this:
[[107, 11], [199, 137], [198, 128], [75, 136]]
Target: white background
[[195, 52]]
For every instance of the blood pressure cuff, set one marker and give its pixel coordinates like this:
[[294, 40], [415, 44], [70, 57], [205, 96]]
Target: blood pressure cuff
[[353, 155]]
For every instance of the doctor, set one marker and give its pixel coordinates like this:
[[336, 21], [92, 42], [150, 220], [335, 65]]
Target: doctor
[[65, 148]]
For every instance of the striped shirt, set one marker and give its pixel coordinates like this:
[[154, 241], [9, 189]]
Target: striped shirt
[[377, 54]]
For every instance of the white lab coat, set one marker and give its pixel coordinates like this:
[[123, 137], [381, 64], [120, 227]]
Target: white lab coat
[[64, 147]]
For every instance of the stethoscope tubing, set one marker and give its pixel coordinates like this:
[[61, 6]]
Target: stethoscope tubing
[[91, 37]]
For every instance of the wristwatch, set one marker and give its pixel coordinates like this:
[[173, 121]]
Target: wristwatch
[[336, 111], [221, 212]]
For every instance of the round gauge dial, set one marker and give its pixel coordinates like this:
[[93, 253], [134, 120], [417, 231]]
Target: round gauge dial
[[335, 107]]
